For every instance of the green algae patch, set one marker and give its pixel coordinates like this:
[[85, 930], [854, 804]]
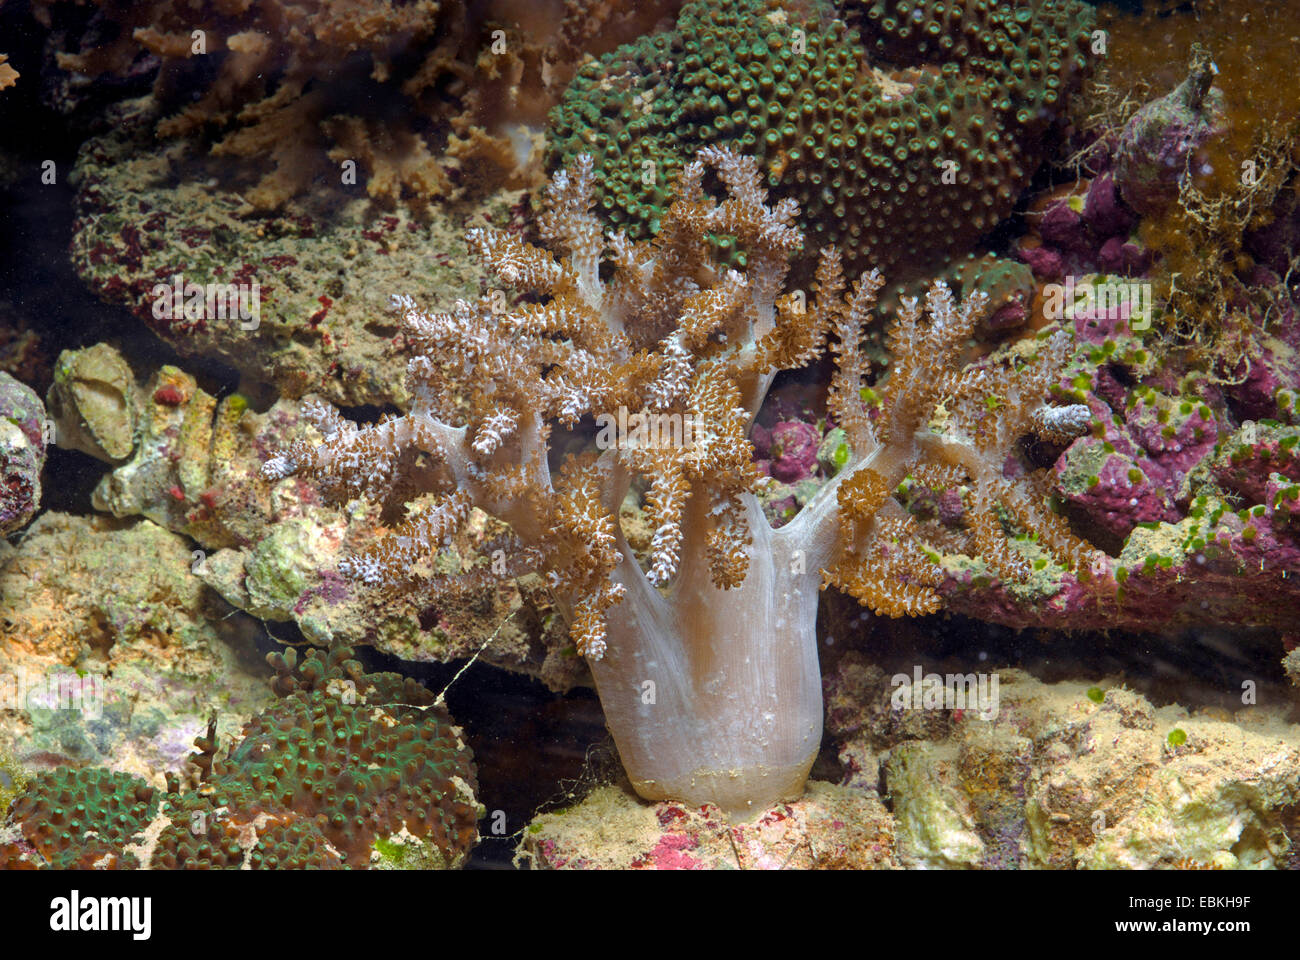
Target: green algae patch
[[936, 826], [279, 569], [1044, 581], [404, 851], [13, 780]]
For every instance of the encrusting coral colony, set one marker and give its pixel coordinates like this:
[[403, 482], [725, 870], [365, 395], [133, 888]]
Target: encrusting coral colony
[[767, 304], [346, 769], [971, 90]]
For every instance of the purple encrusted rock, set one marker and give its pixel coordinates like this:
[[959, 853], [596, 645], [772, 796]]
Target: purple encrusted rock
[[1062, 226], [1159, 139], [1046, 263], [1123, 257], [22, 453], [793, 450], [1103, 210]]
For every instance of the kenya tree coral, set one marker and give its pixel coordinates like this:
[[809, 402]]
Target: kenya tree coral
[[705, 657]]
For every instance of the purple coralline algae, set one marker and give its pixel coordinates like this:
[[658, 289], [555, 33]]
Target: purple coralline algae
[[23, 430], [1160, 142], [1088, 230], [787, 452]]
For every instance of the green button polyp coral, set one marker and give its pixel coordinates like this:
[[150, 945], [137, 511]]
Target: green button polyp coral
[[904, 130], [347, 769]]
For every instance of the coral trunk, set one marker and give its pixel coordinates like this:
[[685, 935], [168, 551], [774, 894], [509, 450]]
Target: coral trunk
[[712, 695]]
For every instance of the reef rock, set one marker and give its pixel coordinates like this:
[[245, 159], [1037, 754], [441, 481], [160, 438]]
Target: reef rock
[[296, 301], [113, 651], [23, 430], [1070, 776], [93, 402], [1159, 143], [273, 550], [828, 828]]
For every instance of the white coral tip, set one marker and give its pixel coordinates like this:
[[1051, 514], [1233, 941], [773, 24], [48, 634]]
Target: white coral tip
[[278, 467]]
